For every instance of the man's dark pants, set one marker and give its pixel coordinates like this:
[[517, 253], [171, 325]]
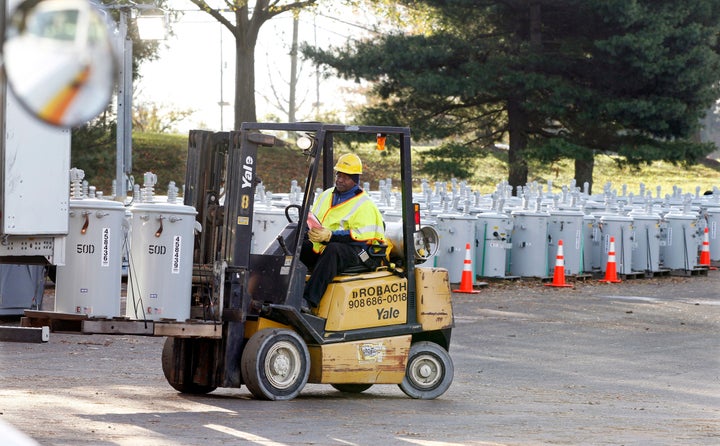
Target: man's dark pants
[[336, 258]]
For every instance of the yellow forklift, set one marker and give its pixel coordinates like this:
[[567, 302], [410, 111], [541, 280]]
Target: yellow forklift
[[391, 325]]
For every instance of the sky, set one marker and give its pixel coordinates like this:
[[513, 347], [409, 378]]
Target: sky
[[196, 67]]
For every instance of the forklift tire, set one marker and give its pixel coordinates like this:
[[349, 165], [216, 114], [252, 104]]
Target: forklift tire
[[168, 361], [429, 371], [275, 364], [351, 388]]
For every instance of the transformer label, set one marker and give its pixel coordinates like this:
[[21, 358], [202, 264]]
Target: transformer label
[[85, 248], [177, 243], [105, 249], [160, 250], [154, 310]]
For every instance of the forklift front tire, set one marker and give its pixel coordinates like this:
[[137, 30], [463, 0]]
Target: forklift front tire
[[275, 364], [429, 371], [181, 379]]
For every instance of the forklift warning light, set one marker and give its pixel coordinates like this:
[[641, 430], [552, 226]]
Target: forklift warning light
[[416, 212], [381, 137]]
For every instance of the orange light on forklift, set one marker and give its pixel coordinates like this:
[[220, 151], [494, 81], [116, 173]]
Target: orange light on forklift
[[381, 141], [416, 212]]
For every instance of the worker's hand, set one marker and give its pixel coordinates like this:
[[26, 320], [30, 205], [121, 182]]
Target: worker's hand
[[319, 235]]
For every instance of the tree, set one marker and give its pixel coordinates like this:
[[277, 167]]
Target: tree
[[150, 117], [560, 79], [245, 28]]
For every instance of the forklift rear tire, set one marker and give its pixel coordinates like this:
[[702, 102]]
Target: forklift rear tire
[[429, 371], [275, 364], [168, 364], [351, 388]]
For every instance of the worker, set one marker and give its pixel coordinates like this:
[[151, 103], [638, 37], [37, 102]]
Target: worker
[[351, 228]]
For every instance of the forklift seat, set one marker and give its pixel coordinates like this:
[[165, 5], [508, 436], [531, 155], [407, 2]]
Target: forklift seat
[[357, 269], [377, 252]]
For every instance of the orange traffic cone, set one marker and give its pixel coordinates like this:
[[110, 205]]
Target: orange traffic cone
[[705, 251], [559, 274], [611, 269], [466, 281]]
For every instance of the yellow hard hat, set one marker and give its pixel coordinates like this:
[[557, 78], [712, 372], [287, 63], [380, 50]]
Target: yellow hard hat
[[349, 164]]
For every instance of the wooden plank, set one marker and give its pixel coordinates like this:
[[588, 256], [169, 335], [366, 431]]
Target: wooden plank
[[110, 326], [54, 315], [188, 330], [33, 322], [36, 335], [58, 322]]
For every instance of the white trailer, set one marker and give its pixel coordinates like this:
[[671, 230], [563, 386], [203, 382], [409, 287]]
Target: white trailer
[[34, 187]]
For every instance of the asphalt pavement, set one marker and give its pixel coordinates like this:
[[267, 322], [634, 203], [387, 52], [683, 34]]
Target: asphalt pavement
[[635, 363]]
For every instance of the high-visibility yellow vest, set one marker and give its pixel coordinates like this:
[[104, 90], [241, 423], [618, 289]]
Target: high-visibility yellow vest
[[358, 214]]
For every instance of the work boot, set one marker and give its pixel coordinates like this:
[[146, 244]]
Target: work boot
[[305, 307], [308, 307]]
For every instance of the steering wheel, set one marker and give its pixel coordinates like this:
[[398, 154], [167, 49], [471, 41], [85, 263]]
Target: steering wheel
[[287, 212]]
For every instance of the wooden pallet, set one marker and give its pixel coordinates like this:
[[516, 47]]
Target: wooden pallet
[[696, 271], [633, 275], [57, 322], [500, 279], [659, 273], [83, 324]]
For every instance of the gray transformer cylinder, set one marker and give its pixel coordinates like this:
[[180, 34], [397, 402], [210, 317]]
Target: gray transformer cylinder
[[268, 222], [566, 225], [528, 257], [646, 241], [455, 232], [492, 235], [592, 255], [89, 282], [713, 225], [619, 227], [680, 251], [161, 261]]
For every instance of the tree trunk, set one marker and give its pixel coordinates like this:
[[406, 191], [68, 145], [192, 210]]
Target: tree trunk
[[517, 129], [584, 171], [244, 84]]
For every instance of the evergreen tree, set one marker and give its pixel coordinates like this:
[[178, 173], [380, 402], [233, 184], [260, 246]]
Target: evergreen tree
[[558, 78]]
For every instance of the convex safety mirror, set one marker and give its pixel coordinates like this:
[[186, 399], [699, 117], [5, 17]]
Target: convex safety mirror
[[59, 60]]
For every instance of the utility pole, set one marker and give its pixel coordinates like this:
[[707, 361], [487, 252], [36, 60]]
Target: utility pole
[[123, 159], [223, 103], [293, 68], [123, 164]]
